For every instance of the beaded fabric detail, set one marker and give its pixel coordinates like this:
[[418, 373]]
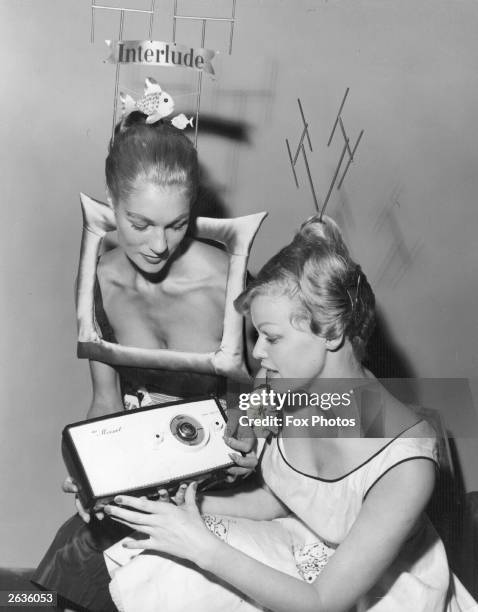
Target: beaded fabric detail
[[310, 559], [218, 526]]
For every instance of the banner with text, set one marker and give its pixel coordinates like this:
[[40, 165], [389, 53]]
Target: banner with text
[[158, 53]]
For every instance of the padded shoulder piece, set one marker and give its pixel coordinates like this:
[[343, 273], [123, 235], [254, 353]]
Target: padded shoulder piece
[[237, 236]]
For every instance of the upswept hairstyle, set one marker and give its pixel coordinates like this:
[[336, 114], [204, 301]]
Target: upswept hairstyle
[[157, 153], [331, 292]]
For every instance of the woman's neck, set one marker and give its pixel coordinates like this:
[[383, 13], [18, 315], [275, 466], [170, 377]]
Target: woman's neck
[[343, 363]]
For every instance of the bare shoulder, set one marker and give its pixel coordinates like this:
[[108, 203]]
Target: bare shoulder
[[397, 417], [205, 261], [412, 479], [212, 256], [404, 418], [110, 269]]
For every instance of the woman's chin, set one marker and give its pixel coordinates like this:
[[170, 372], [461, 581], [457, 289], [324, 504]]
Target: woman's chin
[[153, 268], [283, 385], [146, 267]]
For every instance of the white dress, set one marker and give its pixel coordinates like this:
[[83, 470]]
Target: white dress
[[419, 580]]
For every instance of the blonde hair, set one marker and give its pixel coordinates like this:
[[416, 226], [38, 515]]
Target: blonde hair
[[331, 293]]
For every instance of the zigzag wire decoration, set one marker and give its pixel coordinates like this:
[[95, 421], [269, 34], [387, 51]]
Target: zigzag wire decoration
[[204, 21], [301, 149], [346, 149]]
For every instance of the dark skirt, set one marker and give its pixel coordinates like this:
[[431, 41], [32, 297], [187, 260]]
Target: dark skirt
[[74, 565]]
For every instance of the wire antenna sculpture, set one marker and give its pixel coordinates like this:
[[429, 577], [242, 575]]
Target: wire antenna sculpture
[[204, 21], [347, 149], [301, 149]]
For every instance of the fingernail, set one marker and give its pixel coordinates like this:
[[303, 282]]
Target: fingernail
[[183, 486], [118, 499], [163, 492], [107, 509]]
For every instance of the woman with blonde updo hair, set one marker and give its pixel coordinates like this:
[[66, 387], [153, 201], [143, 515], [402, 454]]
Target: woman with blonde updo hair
[[332, 292], [338, 523]]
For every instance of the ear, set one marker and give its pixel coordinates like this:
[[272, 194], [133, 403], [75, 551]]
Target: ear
[[333, 344]]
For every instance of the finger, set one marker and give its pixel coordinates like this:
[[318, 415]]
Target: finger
[[238, 471], [231, 477], [141, 528], [69, 486], [130, 516], [246, 462], [245, 445], [190, 495], [132, 543], [135, 518], [143, 504], [249, 462], [180, 496], [163, 495], [85, 516]]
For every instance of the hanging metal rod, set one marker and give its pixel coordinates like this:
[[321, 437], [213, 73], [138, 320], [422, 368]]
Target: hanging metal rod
[[230, 19], [118, 8]]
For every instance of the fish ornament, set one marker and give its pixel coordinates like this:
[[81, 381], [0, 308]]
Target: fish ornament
[[181, 121], [155, 103]]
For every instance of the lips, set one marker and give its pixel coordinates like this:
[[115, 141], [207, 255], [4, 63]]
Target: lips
[[153, 260], [269, 369]]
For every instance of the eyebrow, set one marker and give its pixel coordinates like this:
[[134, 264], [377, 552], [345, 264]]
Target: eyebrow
[[139, 217], [266, 323]]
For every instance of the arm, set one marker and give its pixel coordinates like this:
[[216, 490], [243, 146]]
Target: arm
[[106, 390], [376, 537], [249, 501], [383, 525]]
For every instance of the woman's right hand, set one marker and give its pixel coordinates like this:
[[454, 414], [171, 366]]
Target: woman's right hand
[[245, 463], [69, 486]]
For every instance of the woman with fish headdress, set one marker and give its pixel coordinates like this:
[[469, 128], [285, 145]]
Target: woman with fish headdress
[[158, 289]]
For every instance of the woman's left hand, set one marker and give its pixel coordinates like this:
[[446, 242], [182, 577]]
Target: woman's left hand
[[173, 529]]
